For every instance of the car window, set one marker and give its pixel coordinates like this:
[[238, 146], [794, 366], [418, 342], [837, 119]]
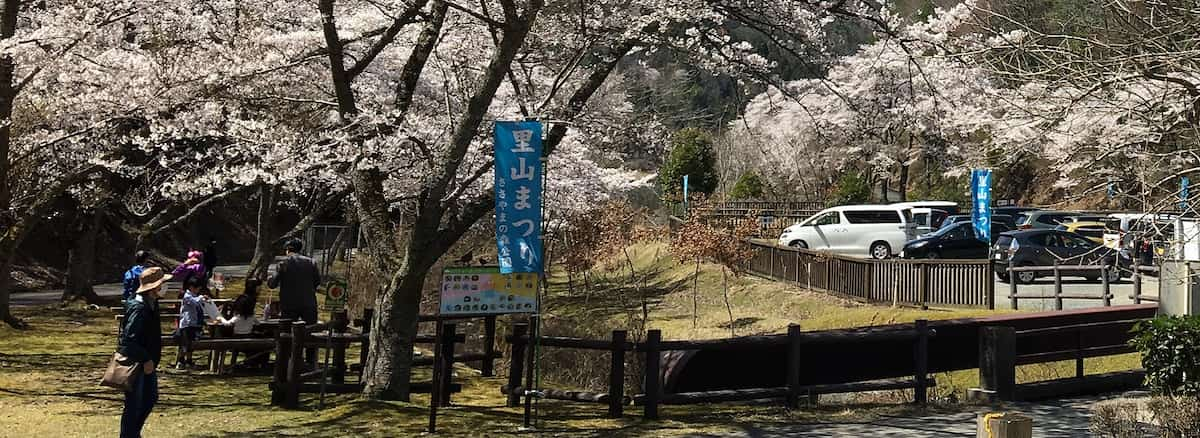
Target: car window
[[830, 218], [999, 228], [921, 218], [960, 232], [873, 217], [1076, 242], [1047, 240], [1021, 218], [1050, 219], [1090, 232]]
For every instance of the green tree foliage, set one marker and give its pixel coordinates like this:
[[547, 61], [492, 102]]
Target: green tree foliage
[[748, 186], [691, 154], [851, 188], [1170, 348]]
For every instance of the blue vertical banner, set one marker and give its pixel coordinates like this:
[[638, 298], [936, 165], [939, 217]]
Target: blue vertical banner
[[685, 196], [981, 200], [519, 196], [1112, 188], [1184, 182]]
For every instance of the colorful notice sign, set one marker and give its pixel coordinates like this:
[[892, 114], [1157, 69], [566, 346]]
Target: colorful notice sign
[[486, 290], [335, 296]]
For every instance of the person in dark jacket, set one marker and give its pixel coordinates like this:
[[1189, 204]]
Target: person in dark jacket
[[141, 341], [297, 279], [210, 257], [132, 278]]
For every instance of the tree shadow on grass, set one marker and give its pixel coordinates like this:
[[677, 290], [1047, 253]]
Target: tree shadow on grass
[[613, 295]]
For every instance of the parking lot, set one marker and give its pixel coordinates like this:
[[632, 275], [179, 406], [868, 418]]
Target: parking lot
[[1045, 287]]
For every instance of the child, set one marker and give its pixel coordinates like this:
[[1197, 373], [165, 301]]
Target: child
[[191, 321], [243, 309]]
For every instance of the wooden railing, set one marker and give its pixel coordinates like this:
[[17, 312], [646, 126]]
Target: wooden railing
[[1002, 349], [912, 282], [653, 348], [1104, 294]]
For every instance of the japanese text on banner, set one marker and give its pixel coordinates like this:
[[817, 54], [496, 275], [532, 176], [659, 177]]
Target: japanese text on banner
[[519, 196]]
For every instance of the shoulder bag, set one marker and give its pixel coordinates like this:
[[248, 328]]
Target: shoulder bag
[[121, 372]]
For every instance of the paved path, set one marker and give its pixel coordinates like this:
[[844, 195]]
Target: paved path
[[1121, 292], [1061, 418], [51, 296]]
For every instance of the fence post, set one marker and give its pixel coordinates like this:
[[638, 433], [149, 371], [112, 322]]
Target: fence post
[[1058, 300], [446, 356], [616, 374], [989, 285], [487, 369], [793, 366], [283, 349], [1104, 281], [921, 356], [516, 363], [1012, 287], [1079, 353], [653, 387], [368, 314], [923, 285], [291, 398], [998, 361], [1137, 283]]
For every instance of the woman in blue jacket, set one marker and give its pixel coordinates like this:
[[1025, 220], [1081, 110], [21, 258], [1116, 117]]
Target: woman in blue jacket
[[141, 341]]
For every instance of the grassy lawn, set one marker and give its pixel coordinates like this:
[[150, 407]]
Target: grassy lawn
[[49, 374]]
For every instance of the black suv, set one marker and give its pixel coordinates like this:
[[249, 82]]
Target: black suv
[[956, 241], [1041, 247]]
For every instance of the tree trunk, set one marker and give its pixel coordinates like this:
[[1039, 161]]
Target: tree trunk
[[264, 250], [81, 259], [883, 190], [389, 366], [903, 182], [6, 264]]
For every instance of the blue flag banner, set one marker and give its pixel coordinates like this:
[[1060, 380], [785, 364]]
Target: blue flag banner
[[981, 200], [519, 196], [1184, 182]]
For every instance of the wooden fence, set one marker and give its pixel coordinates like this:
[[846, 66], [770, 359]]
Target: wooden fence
[[1002, 349], [771, 217], [289, 380], [913, 282], [798, 385]]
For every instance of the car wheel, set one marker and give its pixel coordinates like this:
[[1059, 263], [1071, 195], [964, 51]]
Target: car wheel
[[799, 244], [933, 255], [1003, 277], [880, 250], [1026, 277]]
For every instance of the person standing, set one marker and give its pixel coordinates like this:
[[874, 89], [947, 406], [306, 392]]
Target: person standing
[[190, 268], [132, 278], [210, 257], [297, 279], [191, 322], [141, 341]]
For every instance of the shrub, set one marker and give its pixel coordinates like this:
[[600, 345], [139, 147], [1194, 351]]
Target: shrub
[[691, 154], [1118, 419], [851, 188], [1170, 348], [748, 186]]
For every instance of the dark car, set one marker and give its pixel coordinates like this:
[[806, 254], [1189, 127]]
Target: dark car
[[953, 242], [1041, 247], [1044, 219], [996, 219]]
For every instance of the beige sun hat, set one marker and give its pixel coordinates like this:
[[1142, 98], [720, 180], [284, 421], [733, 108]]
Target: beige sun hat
[[152, 278]]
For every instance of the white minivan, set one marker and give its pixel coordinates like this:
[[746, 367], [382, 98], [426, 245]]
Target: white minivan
[[876, 231]]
